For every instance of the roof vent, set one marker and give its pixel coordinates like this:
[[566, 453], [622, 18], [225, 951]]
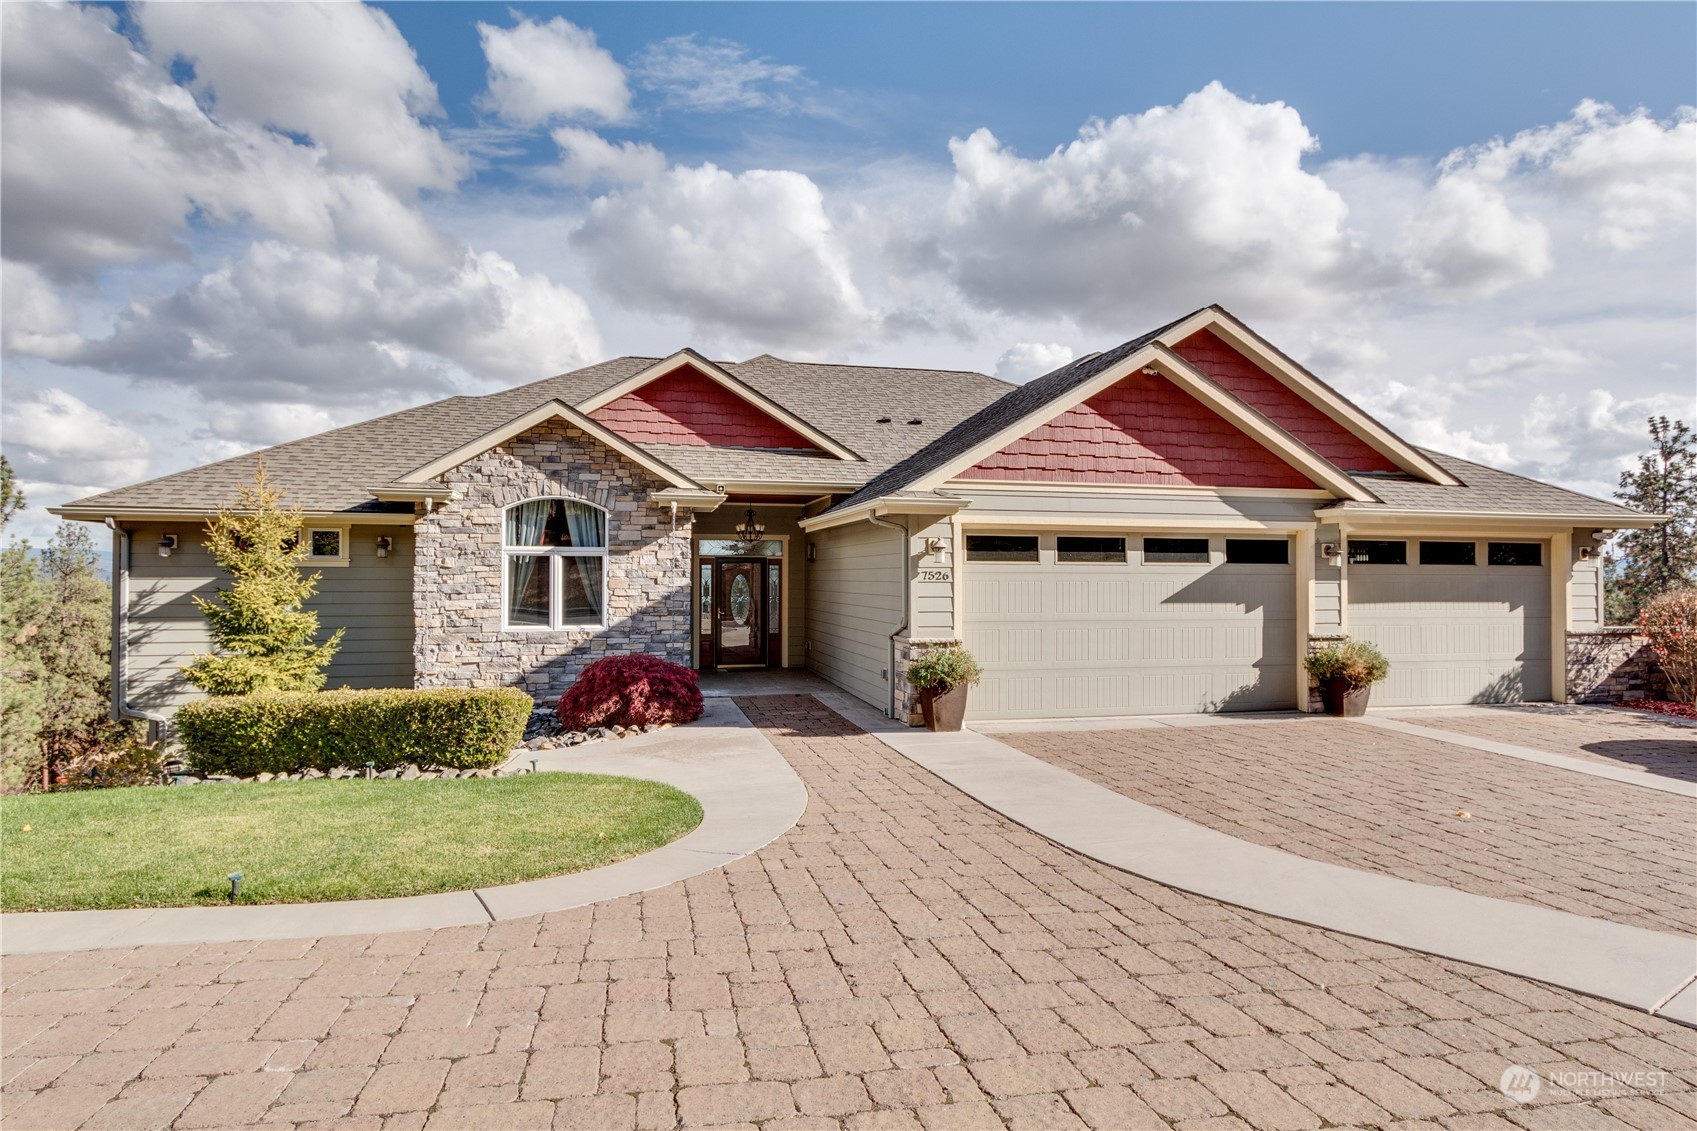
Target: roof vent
[[883, 420], [916, 421]]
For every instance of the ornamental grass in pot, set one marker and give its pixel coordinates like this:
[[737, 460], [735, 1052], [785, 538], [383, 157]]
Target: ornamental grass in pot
[[1347, 672], [942, 676]]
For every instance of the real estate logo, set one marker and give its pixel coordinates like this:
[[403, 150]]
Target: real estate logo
[[1520, 1084]]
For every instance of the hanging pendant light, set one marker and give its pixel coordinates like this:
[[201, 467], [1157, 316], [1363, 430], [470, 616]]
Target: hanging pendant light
[[750, 530]]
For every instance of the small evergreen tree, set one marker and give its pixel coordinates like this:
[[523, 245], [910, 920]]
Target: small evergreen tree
[[263, 633], [1650, 562]]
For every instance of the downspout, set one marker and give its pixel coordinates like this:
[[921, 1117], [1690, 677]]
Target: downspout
[[121, 709], [907, 599]]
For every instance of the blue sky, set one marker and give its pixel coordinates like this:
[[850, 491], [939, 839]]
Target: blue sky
[[1394, 78], [230, 225]]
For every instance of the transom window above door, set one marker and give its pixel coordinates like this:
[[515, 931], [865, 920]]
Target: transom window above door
[[554, 564]]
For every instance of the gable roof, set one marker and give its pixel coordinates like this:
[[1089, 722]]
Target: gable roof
[[1339, 408], [1039, 400], [542, 413], [333, 472], [722, 377]]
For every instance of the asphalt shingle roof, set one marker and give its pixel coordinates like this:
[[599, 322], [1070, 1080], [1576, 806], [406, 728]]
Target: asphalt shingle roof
[[995, 416], [903, 423], [334, 471], [1483, 490]]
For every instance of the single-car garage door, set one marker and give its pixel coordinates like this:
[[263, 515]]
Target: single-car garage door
[[1460, 621], [1090, 624]]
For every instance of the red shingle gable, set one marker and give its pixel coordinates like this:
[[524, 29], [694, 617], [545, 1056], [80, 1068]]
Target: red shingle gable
[[1278, 403], [1142, 430], [687, 407]]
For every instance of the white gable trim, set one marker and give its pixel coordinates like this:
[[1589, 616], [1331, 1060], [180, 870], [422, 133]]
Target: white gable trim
[[1310, 389], [542, 413], [1161, 360], [737, 388]]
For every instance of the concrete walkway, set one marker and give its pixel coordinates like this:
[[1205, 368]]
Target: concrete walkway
[[1648, 970], [1542, 757], [749, 796]]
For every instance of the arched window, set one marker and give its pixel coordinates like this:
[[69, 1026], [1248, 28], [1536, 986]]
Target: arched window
[[555, 568]]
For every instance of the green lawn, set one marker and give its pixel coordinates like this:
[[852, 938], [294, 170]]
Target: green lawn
[[299, 842]]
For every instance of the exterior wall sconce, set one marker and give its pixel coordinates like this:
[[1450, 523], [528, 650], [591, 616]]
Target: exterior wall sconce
[[1584, 553], [811, 549], [937, 551], [167, 544], [1332, 552], [384, 545]]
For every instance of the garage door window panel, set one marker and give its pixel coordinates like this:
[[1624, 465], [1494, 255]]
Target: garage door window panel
[[1175, 551], [1001, 548], [1377, 552], [1086, 550], [1515, 554], [1448, 553], [1257, 551]]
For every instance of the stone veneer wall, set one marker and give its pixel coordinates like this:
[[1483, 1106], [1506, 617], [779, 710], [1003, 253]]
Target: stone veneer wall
[[907, 696], [459, 641], [1606, 665]]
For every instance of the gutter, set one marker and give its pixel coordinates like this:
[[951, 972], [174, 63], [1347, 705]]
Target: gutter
[[907, 599], [121, 709]]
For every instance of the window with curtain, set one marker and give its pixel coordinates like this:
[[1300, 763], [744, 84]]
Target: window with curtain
[[556, 564]]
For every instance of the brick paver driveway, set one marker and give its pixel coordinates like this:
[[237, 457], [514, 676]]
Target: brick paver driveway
[[1390, 802], [1632, 739], [903, 958]]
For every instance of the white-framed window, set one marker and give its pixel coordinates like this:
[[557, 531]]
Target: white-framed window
[[326, 545], [554, 565]]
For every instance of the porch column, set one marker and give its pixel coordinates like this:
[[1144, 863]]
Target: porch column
[[1302, 547], [1561, 610]]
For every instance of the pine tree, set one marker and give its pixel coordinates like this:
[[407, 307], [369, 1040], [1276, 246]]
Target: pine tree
[[1663, 557], [11, 495], [264, 636]]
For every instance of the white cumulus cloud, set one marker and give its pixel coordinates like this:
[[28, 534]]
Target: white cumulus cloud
[[1024, 360], [544, 72], [52, 438], [752, 252], [587, 158], [341, 73], [1177, 206], [288, 324]]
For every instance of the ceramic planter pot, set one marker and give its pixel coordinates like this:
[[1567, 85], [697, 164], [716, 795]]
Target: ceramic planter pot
[[1344, 698], [943, 709]]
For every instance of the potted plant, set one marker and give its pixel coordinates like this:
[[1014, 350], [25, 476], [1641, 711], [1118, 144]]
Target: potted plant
[[942, 676], [1347, 672]]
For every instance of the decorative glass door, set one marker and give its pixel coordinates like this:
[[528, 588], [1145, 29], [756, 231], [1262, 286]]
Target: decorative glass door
[[739, 613]]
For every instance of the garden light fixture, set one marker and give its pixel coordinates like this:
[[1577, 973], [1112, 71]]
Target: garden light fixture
[[235, 886]]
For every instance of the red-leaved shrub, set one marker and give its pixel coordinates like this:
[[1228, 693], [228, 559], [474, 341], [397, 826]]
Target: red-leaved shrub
[[1670, 622], [631, 691]]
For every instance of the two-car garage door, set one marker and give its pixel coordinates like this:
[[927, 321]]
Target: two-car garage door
[[1091, 625]]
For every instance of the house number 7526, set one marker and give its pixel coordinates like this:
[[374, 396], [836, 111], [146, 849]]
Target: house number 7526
[[934, 575]]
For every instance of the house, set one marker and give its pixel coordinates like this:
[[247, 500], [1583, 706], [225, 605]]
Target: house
[[1167, 526]]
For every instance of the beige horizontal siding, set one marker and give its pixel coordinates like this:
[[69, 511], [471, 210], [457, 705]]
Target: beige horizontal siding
[[371, 598]]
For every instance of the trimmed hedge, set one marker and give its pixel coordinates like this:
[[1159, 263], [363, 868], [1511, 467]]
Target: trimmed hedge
[[280, 732]]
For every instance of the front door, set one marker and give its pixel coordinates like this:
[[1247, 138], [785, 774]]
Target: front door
[[739, 613]]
